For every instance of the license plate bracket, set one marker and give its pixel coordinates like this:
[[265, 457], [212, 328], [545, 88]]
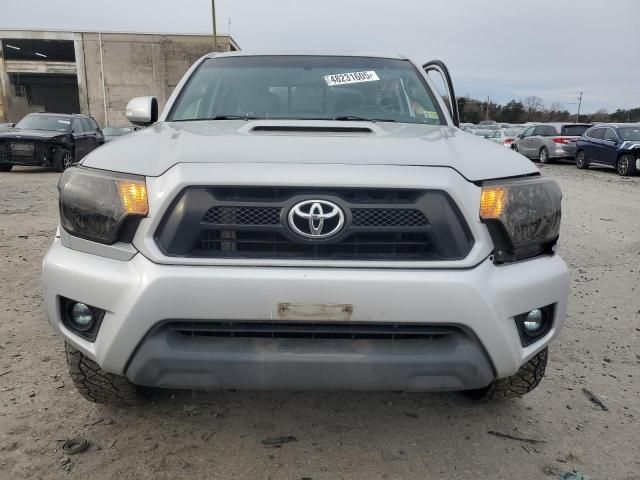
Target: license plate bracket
[[319, 312]]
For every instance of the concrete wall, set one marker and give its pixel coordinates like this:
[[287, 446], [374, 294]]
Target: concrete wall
[[133, 65], [137, 65]]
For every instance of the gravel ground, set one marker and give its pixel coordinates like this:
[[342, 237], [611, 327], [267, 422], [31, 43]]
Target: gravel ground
[[338, 435]]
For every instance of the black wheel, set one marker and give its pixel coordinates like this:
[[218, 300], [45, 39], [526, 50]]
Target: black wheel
[[526, 379], [6, 167], [544, 155], [99, 386], [581, 160], [62, 159], [626, 165]]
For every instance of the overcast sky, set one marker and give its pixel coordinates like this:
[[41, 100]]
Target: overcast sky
[[501, 48]]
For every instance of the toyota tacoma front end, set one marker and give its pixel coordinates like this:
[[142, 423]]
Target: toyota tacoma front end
[[307, 223]]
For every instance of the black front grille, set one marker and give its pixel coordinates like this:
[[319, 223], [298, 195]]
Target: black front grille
[[252, 222], [25, 151], [242, 216], [388, 217], [322, 330], [360, 246], [4, 154], [362, 217]]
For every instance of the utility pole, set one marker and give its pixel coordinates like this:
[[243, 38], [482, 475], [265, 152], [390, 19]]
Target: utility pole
[[104, 85], [579, 105], [213, 22]]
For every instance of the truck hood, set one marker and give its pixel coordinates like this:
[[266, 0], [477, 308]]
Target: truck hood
[[24, 134], [156, 149]]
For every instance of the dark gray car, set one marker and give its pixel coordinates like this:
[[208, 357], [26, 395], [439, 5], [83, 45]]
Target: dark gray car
[[49, 140]]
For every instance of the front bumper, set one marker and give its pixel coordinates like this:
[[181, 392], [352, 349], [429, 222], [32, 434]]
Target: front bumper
[[138, 295]]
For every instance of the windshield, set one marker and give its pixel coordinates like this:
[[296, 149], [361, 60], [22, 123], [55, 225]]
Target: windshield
[[45, 122], [116, 131], [630, 133], [513, 132], [574, 130], [307, 87], [483, 133]]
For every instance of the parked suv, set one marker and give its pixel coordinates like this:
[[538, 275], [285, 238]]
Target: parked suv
[[614, 145], [308, 223], [548, 141], [49, 140]]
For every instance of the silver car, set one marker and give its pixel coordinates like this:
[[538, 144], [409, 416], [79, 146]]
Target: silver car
[[548, 141]]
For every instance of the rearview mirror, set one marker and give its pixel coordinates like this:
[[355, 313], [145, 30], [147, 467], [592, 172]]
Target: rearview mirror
[[142, 111]]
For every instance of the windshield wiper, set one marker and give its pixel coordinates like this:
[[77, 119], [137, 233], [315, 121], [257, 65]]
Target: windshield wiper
[[235, 117], [355, 118], [220, 117]]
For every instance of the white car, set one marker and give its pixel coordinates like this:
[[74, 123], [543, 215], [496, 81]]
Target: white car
[[305, 222], [505, 137]]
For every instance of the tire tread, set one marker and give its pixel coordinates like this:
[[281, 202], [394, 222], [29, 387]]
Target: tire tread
[[99, 386], [527, 378]]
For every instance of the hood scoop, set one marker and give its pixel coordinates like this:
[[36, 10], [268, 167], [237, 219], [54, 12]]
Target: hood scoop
[[310, 129]]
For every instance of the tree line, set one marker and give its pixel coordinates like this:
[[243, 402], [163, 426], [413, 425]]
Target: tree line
[[533, 109]]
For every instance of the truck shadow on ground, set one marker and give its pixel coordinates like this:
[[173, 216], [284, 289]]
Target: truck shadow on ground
[[265, 415]]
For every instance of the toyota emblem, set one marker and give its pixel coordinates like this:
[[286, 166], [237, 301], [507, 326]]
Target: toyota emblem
[[316, 219]]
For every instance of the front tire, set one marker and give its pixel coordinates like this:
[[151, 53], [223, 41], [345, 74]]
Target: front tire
[[525, 380], [62, 160], [543, 156], [98, 386], [626, 165], [6, 167], [581, 160]]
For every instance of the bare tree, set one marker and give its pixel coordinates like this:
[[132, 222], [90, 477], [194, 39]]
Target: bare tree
[[556, 107], [532, 106], [554, 112], [601, 115]]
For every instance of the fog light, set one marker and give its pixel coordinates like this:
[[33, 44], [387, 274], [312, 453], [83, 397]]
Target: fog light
[[533, 321], [80, 318], [81, 315], [534, 324]]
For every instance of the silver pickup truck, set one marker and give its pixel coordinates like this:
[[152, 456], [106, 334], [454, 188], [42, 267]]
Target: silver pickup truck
[[305, 222]]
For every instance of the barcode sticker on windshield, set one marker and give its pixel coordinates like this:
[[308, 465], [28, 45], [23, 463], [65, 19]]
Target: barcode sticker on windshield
[[66, 122], [351, 77]]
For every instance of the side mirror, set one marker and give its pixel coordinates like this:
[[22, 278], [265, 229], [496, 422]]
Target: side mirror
[[11, 125], [142, 111]]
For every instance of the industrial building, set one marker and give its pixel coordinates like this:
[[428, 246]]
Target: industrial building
[[93, 73]]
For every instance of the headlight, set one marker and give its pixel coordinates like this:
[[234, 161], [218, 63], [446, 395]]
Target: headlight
[[101, 206], [523, 216]]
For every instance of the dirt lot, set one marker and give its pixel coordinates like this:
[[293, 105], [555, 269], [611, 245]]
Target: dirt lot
[[336, 435]]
